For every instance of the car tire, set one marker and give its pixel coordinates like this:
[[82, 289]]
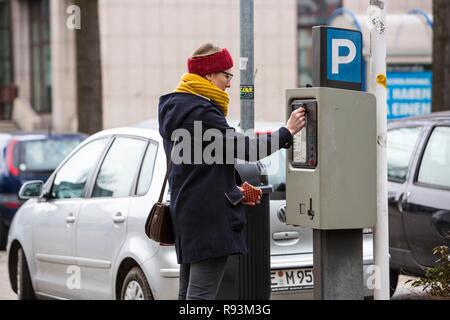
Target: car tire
[[3, 235], [24, 284], [393, 280], [135, 286]]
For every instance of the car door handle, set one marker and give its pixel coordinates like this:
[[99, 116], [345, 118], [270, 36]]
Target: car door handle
[[119, 218], [403, 200], [288, 235], [70, 218]]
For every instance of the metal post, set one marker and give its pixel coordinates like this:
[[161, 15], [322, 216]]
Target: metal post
[[377, 26], [246, 66], [338, 265]]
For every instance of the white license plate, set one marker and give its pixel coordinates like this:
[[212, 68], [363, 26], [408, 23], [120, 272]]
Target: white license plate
[[292, 279]]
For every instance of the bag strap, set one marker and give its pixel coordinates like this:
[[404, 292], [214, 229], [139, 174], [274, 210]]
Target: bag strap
[[169, 165]]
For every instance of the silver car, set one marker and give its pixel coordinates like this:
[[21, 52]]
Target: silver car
[[81, 234]]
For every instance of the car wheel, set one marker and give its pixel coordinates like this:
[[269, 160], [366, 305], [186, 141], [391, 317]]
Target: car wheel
[[393, 280], [135, 286], [3, 235], [24, 285]]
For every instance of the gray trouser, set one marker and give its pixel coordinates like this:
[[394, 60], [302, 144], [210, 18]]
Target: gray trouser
[[201, 280]]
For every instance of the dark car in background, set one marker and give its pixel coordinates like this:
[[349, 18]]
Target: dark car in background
[[418, 151], [26, 156]]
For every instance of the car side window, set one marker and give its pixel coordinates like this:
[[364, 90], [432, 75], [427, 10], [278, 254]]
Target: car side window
[[148, 165], [435, 165], [70, 181], [275, 168], [3, 144], [119, 168], [400, 147]]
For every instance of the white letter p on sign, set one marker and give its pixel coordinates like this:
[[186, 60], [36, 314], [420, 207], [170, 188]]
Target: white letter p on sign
[[336, 60]]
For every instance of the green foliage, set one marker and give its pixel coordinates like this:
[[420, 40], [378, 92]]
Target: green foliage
[[437, 278]]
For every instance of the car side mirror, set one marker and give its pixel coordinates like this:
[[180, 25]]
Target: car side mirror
[[441, 223], [31, 189], [281, 187]]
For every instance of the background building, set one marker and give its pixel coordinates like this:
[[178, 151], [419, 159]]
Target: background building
[[144, 47]]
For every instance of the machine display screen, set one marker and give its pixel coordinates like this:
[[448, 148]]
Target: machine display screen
[[299, 148], [304, 149]]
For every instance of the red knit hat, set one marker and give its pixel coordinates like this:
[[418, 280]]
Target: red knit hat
[[212, 63]]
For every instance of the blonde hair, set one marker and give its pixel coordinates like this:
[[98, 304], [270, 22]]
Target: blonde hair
[[205, 50]]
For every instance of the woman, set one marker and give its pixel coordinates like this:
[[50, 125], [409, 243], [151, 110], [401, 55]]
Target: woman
[[206, 203]]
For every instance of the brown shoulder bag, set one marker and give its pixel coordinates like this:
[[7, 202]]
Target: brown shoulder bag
[[158, 226]]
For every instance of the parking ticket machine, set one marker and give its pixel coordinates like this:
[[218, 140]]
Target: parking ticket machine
[[331, 167]]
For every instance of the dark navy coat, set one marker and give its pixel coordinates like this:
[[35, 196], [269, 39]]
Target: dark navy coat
[[205, 201]]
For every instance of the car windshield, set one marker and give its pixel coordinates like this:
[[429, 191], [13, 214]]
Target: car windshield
[[275, 166], [46, 155]]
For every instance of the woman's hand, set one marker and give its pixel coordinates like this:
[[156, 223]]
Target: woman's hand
[[296, 121], [250, 203]]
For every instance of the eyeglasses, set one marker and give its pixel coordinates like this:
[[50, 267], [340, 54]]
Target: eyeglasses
[[228, 75]]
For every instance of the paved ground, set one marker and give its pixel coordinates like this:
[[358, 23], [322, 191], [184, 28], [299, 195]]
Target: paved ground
[[403, 292], [406, 292], [5, 289]]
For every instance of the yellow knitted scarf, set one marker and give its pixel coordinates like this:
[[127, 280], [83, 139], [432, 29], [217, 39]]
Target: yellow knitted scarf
[[195, 84]]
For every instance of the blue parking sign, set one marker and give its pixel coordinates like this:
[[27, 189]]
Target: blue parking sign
[[337, 58], [344, 55]]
